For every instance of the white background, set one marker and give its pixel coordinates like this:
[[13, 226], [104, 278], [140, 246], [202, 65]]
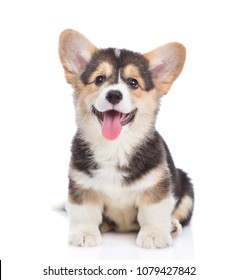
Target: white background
[[198, 119]]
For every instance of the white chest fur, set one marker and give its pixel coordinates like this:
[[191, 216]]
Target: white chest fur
[[119, 199]]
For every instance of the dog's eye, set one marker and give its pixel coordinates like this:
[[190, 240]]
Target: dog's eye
[[100, 80], [133, 83]]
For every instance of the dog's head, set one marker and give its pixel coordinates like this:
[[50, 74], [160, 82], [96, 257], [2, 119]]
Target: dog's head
[[117, 89]]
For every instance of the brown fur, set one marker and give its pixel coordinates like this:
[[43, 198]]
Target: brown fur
[[183, 209], [65, 44], [78, 195], [162, 83], [160, 191], [153, 194]]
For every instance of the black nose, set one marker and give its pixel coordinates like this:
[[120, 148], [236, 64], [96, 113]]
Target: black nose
[[114, 96]]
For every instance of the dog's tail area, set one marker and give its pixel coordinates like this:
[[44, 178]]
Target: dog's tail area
[[184, 207]]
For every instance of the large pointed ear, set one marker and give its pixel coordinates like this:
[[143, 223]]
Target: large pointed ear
[[166, 63], [75, 51]]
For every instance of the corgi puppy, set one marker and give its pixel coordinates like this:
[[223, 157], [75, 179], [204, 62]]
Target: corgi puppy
[[121, 174]]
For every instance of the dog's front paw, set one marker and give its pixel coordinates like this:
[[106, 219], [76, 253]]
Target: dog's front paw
[[151, 239], [85, 238]]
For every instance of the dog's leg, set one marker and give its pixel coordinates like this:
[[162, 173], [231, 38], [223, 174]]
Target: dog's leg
[[155, 221], [84, 220]]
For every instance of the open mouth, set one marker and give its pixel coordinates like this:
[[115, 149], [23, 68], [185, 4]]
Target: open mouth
[[112, 122]]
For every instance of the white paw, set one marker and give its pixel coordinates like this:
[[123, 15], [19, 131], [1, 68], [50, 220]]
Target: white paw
[[85, 238], [151, 239]]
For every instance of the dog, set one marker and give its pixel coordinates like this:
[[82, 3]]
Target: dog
[[121, 174]]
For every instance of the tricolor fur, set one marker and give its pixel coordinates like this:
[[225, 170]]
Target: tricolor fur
[[122, 176]]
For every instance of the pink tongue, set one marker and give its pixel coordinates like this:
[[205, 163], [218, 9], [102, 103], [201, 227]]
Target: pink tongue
[[111, 126]]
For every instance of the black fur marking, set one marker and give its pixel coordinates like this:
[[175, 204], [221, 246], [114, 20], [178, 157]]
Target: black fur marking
[[82, 157], [102, 55], [110, 222], [129, 57], [74, 195], [118, 63], [146, 157]]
